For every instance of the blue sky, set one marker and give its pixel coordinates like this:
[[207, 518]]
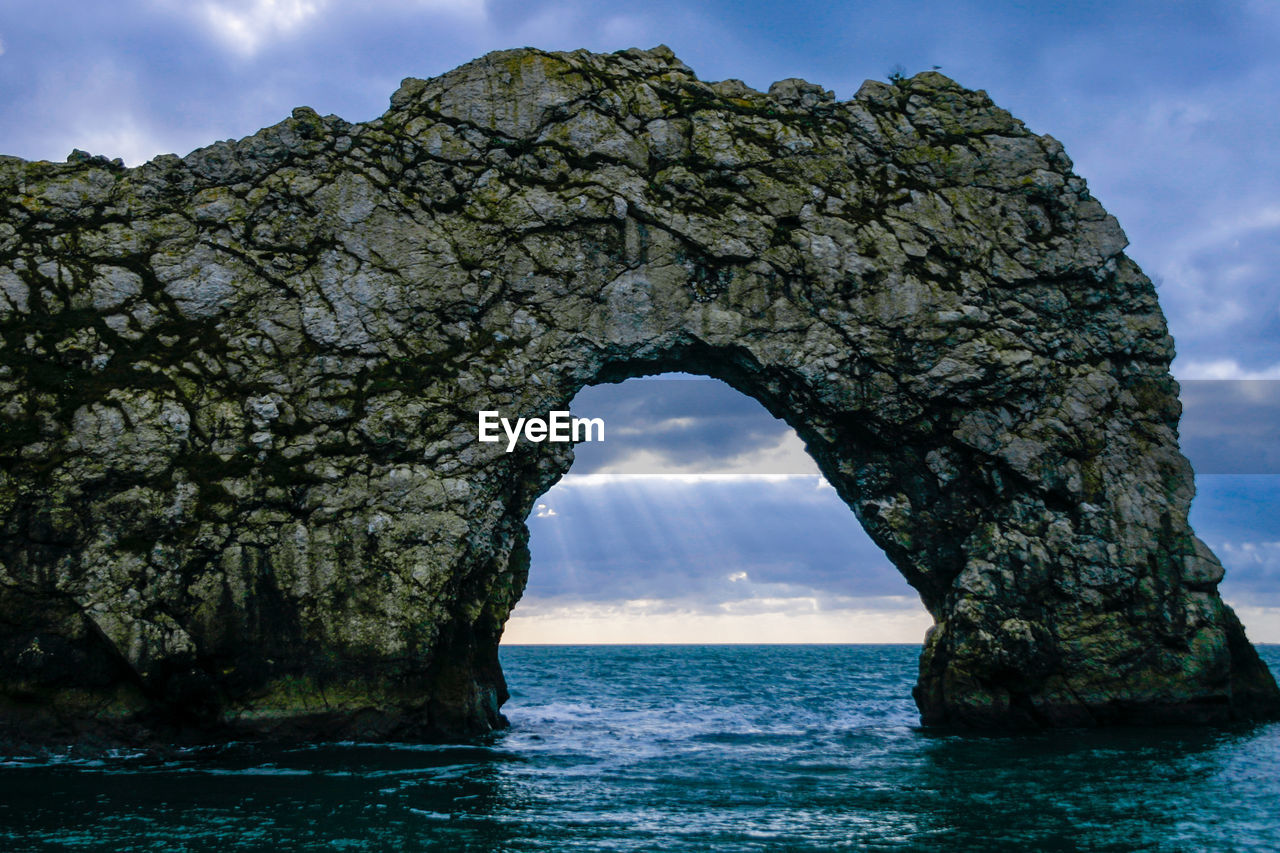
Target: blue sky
[[1171, 111]]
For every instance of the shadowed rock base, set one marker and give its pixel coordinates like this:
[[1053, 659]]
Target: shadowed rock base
[[241, 492], [1150, 692], [451, 703]]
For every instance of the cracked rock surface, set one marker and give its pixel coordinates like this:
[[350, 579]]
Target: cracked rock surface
[[241, 492]]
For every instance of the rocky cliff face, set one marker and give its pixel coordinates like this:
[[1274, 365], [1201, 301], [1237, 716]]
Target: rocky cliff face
[[241, 487]]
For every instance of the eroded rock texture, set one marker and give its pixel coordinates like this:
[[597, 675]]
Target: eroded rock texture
[[241, 485]]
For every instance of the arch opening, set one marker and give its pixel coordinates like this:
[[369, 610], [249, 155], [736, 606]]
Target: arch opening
[[702, 519]]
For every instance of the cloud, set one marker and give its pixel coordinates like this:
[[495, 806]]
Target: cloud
[[102, 112], [1262, 624], [685, 428], [1216, 278], [1237, 517], [1237, 227], [627, 29], [1223, 368], [705, 430], [702, 543], [1230, 426], [786, 457], [1254, 571], [247, 27], [1176, 135], [873, 620]]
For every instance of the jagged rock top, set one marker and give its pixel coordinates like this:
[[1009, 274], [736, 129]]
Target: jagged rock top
[[635, 130]]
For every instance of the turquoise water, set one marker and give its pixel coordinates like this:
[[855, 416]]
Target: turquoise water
[[686, 748]]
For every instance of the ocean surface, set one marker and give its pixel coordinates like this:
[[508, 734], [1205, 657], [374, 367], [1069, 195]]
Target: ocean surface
[[678, 748]]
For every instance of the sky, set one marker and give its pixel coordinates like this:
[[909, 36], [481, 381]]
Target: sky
[[1170, 110]]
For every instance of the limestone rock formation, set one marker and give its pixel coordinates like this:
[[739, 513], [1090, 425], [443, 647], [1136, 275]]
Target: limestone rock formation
[[241, 489]]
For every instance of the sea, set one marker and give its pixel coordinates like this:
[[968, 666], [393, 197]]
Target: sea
[[677, 748]]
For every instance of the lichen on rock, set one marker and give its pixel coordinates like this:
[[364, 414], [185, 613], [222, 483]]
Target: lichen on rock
[[242, 492]]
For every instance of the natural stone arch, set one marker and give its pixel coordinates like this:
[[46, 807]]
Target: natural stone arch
[[242, 486]]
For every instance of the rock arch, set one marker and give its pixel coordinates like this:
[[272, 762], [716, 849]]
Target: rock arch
[[242, 488]]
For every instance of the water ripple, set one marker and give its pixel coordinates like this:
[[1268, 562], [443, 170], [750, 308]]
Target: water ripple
[[677, 749]]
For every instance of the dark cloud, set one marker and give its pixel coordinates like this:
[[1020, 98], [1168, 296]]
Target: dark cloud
[[1227, 427], [1231, 426], [677, 423]]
